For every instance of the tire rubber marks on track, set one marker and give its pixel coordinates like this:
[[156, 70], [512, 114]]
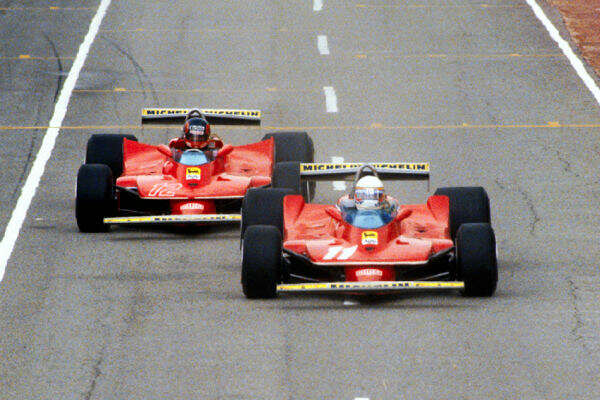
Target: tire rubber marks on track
[[566, 49], [330, 99], [37, 170]]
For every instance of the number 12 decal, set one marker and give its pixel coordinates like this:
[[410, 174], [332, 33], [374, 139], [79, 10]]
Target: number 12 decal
[[164, 189]]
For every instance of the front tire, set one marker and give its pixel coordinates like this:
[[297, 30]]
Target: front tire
[[261, 262], [467, 205], [263, 207], [476, 262], [95, 197], [295, 146], [107, 149]]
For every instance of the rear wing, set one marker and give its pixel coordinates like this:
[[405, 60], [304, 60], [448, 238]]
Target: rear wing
[[347, 171], [213, 116]]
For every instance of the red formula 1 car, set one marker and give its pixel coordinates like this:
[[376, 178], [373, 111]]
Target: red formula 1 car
[[290, 245], [124, 181]]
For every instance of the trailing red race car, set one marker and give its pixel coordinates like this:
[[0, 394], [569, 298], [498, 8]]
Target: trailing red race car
[[195, 179], [367, 242]]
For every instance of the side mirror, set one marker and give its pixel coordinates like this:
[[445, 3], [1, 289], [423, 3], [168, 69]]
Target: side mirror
[[334, 213], [164, 149], [225, 150]]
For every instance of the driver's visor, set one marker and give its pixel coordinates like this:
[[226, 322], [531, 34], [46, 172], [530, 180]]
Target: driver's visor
[[366, 194]]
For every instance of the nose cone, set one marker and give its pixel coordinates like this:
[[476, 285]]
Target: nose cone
[[370, 274]]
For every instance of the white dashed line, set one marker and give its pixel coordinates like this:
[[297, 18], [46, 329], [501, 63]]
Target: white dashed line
[[361, 398], [338, 185], [330, 99], [317, 5], [322, 45], [37, 169], [566, 49], [348, 302]]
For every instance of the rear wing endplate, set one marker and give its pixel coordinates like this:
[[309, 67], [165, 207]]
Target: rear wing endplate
[[212, 115], [388, 171]]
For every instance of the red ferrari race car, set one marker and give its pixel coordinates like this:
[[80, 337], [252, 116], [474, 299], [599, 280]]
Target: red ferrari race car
[[367, 242], [196, 179]]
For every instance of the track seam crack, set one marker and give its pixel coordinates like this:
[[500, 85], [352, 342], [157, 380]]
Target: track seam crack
[[535, 218]]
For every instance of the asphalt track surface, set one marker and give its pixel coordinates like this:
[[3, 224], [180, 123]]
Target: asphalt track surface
[[482, 93]]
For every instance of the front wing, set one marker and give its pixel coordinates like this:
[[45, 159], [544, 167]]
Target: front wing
[[377, 287], [175, 219]]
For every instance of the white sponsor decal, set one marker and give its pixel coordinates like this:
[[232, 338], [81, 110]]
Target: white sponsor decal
[[369, 272], [192, 206]]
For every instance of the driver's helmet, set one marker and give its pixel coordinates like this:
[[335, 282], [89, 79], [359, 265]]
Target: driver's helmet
[[196, 132], [369, 193]]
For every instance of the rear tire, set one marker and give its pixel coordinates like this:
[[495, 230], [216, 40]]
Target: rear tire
[[295, 146], [263, 207], [95, 197], [467, 205], [107, 149], [476, 262], [286, 175], [261, 262]]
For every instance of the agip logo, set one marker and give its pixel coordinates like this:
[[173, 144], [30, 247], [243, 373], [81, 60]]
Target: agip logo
[[370, 238], [193, 173]]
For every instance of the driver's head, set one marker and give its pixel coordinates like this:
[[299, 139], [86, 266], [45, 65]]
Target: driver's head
[[369, 193], [196, 131]]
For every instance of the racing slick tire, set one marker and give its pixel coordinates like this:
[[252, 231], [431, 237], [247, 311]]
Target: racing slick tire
[[295, 146], [287, 175], [95, 197], [261, 262], [476, 263], [107, 149], [263, 206], [467, 205]]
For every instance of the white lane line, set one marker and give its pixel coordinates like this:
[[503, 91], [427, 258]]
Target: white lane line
[[348, 302], [361, 398], [576, 63], [317, 5], [338, 185], [330, 99], [37, 169], [322, 45]]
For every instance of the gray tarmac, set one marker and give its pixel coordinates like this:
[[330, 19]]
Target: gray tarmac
[[482, 93]]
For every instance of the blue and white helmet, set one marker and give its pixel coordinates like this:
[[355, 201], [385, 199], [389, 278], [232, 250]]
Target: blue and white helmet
[[369, 193]]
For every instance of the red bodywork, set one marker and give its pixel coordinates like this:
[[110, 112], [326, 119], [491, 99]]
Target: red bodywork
[[317, 232], [194, 190]]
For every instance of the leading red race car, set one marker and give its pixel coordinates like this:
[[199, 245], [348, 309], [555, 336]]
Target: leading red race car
[[367, 242], [124, 181]]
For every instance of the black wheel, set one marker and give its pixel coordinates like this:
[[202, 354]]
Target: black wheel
[[261, 262], [292, 146], [295, 146], [476, 262], [287, 175], [95, 197], [263, 207], [107, 149], [467, 205]]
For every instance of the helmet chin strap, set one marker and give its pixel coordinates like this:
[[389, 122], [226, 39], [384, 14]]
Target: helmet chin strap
[[359, 175]]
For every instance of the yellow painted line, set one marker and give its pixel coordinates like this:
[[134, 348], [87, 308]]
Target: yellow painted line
[[442, 6], [52, 8], [206, 30], [166, 90], [25, 57], [391, 54], [372, 127]]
